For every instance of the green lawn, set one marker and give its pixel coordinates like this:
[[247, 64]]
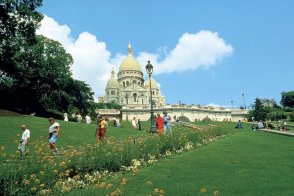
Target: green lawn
[[247, 163], [72, 133]]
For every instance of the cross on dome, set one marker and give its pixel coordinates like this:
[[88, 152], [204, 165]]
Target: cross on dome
[[129, 49]]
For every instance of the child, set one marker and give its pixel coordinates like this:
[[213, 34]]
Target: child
[[24, 141]]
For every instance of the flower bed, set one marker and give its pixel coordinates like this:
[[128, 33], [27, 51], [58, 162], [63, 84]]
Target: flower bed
[[92, 165]]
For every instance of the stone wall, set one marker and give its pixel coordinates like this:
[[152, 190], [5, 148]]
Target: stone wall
[[193, 113]]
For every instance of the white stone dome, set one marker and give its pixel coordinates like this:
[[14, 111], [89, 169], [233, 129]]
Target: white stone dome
[[130, 63], [112, 82]]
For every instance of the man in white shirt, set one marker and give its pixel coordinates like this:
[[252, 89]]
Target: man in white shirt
[[134, 123], [24, 141], [88, 119], [54, 129]]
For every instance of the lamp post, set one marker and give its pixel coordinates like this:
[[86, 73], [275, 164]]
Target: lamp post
[[232, 103], [127, 100], [243, 95], [149, 70]]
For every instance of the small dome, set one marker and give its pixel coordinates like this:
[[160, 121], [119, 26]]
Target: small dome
[[130, 63], [112, 82], [153, 84]]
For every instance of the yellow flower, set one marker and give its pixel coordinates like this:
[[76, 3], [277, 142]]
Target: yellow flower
[[62, 164], [215, 193], [67, 172], [77, 177], [161, 191], [33, 189], [109, 186], [102, 185], [42, 185], [26, 182], [55, 171], [124, 181], [33, 176], [203, 190], [37, 181], [156, 190], [2, 148], [149, 182]]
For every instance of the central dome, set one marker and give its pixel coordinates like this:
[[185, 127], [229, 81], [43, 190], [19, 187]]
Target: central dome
[[130, 63]]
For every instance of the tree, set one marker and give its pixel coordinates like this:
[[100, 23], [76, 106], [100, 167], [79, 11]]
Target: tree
[[18, 23], [259, 112], [287, 99]]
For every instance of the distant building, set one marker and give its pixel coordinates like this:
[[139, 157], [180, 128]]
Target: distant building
[[130, 89], [268, 102]]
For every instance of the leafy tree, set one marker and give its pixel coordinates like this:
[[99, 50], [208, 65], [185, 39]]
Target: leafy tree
[[18, 23], [259, 112], [111, 105], [287, 99]]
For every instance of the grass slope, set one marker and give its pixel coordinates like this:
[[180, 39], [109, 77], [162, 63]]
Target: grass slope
[[247, 163], [72, 133]]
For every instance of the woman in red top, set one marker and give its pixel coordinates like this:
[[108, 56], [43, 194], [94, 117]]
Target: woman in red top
[[159, 124]]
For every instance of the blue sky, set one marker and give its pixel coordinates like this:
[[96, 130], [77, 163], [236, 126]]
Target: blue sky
[[256, 57]]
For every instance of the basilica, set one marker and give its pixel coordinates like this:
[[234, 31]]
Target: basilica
[[129, 88]]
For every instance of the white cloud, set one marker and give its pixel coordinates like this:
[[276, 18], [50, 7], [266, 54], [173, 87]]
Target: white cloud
[[201, 50], [93, 62]]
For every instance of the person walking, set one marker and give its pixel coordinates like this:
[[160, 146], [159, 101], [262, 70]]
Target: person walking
[[101, 130], [134, 123], [54, 130], [167, 123], [24, 140], [159, 124]]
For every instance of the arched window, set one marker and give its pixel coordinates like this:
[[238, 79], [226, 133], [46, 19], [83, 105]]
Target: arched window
[[124, 84], [128, 83], [135, 97]]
